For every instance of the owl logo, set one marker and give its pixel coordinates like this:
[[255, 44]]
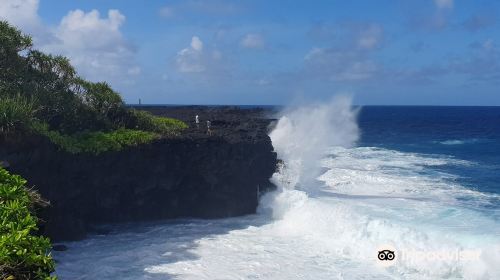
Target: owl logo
[[386, 255]]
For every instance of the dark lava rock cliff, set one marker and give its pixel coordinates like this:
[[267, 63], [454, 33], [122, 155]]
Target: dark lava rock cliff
[[194, 175]]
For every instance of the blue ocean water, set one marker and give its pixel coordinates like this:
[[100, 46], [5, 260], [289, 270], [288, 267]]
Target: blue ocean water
[[467, 133], [423, 181]]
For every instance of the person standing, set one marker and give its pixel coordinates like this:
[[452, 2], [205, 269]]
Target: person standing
[[209, 132], [197, 121]]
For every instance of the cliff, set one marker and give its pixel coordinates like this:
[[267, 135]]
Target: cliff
[[193, 175]]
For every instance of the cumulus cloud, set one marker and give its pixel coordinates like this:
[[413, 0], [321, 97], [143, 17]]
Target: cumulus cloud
[[252, 41], [191, 59], [95, 44], [196, 44], [88, 31], [201, 64], [22, 13]]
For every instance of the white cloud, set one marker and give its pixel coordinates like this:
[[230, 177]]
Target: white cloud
[[202, 62], [22, 13], [371, 37], [196, 44], [88, 31], [252, 41], [191, 59], [444, 4], [95, 45]]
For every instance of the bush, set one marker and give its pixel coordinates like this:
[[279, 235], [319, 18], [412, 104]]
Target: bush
[[23, 255], [96, 142], [162, 125], [16, 113]]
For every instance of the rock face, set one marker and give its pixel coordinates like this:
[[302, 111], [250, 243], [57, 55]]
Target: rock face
[[194, 175]]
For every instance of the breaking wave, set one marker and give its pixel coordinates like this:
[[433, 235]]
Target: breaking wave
[[335, 207]]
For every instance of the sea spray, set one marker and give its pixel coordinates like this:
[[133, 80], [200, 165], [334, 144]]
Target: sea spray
[[300, 138], [369, 199], [303, 134], [355, 229]]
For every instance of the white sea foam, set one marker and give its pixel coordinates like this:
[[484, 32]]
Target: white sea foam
[[330, 228], [462, 141], [453, 142], [304, 133]]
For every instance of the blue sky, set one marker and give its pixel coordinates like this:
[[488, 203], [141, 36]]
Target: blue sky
[[421, 52]]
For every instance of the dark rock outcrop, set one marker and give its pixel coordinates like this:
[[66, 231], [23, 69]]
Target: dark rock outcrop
[[193, 175]]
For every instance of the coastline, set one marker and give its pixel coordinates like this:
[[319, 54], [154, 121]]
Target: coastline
[[192, 175]]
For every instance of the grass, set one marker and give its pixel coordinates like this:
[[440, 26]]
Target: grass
[[162, 125], [23, 255], [96, 142], [16, 113], [148, 128]]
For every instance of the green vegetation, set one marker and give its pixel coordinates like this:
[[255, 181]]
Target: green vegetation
[[23, 255], [42, 93], [96, 142], [149, 122], [15, 113]]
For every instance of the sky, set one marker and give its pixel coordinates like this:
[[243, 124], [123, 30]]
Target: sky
[[264, 52]]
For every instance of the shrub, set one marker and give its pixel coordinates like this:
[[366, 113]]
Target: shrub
[[15, 113], [23, 255], [162, 125], [96, 142]]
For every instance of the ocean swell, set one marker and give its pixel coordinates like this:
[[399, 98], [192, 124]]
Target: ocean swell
[[336, 206]]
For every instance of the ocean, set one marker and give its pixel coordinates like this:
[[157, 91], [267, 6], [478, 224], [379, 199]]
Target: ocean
[[355, 185]]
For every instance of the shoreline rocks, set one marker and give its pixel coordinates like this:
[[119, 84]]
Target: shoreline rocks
[[193, 175]]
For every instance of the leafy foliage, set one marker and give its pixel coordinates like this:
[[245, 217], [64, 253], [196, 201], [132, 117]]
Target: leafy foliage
[[149, 122], [96, 142], [23, 255], [16, 113]]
